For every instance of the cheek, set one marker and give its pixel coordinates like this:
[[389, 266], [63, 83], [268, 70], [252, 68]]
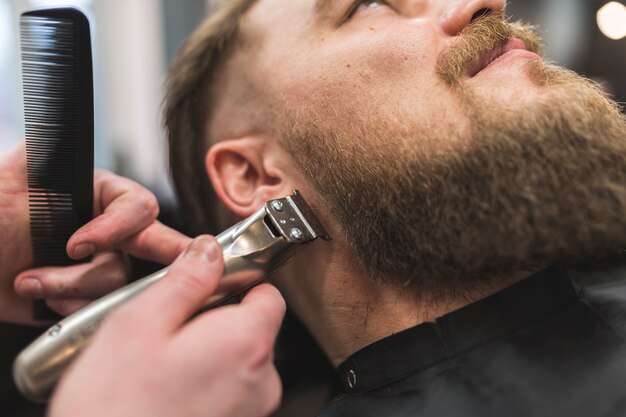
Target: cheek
[[382, 65]]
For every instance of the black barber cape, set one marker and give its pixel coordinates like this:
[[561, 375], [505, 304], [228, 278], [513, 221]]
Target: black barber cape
[[540, 348]]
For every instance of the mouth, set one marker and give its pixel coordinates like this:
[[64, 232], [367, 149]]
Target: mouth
[[511, 47]]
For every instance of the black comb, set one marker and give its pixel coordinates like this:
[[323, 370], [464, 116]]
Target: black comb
[[58, 109]]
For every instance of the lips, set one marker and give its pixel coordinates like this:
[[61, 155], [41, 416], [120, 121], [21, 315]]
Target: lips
[[496, 53]]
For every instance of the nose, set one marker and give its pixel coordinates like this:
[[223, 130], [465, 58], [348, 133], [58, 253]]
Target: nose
[[460, 13]]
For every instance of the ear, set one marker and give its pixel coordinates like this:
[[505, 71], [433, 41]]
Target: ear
[[246, 173]]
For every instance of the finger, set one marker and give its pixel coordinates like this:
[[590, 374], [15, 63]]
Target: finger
[[268, 306], [67, 307], [157, 243], [248, 329], [191, 280], [126, 208], [105, 273]]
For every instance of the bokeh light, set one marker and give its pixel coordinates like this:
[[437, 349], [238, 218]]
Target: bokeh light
[[612, 20]]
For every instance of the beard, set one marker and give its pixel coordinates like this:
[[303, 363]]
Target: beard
[[532, 185]]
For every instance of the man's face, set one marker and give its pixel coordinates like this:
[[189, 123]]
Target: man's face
[[341, 58], [436, 165]]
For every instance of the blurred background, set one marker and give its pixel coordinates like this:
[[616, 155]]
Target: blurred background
[[134, 41]]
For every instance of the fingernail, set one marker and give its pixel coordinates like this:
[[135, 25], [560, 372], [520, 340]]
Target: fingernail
[[203, 247], [31, 287], [83, 250]]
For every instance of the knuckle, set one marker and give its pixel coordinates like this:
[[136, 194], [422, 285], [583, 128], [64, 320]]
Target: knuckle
[[144, 249], [117, 278], [274, 391], [253, 347], [264, 386], [54, 286], [181, 246], [197, 268], [241, 342], [120, 270], [102, 175], [193, 282], [189, 280], [150, 204], [263, 350]]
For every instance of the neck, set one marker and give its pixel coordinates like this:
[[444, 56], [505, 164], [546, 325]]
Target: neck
[[345, 310]]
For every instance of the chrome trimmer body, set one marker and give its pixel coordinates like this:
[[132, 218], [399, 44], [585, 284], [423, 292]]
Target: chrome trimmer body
[[253, 249]]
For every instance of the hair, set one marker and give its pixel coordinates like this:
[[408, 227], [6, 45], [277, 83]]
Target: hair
[[185, 110]]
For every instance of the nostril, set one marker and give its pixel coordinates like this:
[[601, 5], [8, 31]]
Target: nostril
[[481, 13]]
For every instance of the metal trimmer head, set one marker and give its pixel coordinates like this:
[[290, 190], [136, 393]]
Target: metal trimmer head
[[294, 220]]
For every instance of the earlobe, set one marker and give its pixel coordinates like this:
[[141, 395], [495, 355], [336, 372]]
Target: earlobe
[[243, 174]]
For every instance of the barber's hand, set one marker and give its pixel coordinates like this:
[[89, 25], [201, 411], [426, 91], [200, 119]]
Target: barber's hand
[[147, 359], [125, 221]]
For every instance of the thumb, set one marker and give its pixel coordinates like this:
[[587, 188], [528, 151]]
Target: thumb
[[190, 281]]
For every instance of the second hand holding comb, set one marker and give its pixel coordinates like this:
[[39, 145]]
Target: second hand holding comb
[[59, 130]]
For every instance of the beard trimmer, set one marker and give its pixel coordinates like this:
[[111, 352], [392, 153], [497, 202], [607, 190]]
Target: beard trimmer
[[253, 249]]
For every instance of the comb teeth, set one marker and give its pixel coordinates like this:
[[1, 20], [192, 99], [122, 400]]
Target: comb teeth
[[58, 110], [49, 69]]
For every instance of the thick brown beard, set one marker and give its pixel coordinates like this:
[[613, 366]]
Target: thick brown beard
[[534, 185]]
